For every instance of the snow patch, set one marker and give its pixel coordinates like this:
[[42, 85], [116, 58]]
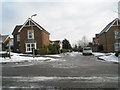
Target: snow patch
[[98, 54], [17, 58], [72, 54], [82, 79], [109, 57], [53, 55]]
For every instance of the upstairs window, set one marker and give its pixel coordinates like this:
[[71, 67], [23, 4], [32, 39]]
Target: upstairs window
[[18, 37], [30, 34], [117, 34]]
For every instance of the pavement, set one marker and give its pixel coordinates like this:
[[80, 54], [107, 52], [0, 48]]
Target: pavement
[[69, 72]]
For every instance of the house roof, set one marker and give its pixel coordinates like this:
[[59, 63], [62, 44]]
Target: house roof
[[57, 41], [39, 26], [15, 31], [18, 28], [3, 38], [109, 25]]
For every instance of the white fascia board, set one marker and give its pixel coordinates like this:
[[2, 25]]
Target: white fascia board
[[6, 39], [111, 25], [32, 22], [23, 25]]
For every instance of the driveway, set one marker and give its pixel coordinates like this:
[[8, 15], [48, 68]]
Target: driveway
[[69, 71]]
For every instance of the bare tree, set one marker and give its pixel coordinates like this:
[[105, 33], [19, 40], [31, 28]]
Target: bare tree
[[83, 42]]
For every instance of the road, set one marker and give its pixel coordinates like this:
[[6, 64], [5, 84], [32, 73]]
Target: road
[[67, 72]]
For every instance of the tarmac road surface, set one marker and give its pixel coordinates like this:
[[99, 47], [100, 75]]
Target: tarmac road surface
[[68, 72]]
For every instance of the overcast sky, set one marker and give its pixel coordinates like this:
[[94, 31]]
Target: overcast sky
[[71, 19]]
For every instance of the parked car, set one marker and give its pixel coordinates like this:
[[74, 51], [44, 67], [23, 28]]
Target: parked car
[[87, 51]]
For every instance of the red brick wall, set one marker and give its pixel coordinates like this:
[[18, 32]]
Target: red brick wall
[[111, 39], [102, 41], [16, 43], [108, 39], [42, 39], [45, 39], [23, 38], [38, 37]]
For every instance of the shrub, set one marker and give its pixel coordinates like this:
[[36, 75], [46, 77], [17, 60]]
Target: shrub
[[47, 51], [16, 51], [51, 49], [57, 47], [66, 50], [41, 51]]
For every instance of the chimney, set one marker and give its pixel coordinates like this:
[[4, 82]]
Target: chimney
[[96, 35], [119, 9]]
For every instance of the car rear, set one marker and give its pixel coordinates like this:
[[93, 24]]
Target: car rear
[[87, 51]]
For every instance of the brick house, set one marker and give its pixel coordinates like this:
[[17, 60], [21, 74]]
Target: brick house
[[30, 35], [4, 42], [108, 40], [95, 44]]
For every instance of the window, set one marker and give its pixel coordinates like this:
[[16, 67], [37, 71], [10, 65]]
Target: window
[[117, 46], [117, 34], [30, 47], [18, 37], [30, 34]]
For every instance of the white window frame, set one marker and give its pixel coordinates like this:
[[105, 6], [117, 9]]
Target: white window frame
[[28, 51], [117, 46], [32, 34], [18, 37], [117, 36]]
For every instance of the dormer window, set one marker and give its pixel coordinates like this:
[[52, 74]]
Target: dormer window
[[30, 34]]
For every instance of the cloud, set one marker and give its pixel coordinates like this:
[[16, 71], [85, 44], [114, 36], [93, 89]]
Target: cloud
[[87, 1], [66, 19], [0, 18]]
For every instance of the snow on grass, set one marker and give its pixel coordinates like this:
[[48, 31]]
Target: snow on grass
[[110, 58], [17, 58], [98, 54], [54, 55]]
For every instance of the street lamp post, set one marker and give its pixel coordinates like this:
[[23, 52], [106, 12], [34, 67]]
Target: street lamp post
[[33, 38], [33, 15], [118, 38], [9, 49], [118, 26]]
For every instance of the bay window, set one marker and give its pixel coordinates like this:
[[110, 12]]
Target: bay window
[[30, 47]]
